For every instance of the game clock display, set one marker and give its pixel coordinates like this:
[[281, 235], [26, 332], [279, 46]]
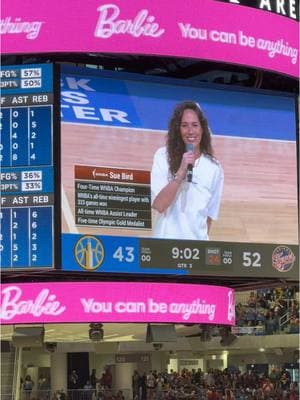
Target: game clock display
[[27, 177], [96, 253], [204, 257]]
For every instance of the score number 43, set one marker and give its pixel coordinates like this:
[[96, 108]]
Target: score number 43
[[251, 259], [124, 254]]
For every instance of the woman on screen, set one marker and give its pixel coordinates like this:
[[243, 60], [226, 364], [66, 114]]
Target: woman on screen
[[186, 180]]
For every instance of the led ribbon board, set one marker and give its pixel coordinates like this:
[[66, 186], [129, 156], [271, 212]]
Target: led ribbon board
[[75, 302], [213, 31]]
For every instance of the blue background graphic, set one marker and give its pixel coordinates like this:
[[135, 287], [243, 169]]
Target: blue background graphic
[[148, 104]]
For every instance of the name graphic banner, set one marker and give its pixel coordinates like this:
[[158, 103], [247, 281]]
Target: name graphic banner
[[203, 29], [116, 302]]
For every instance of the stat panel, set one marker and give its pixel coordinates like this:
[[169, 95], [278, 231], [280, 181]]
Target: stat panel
[[27, 167]]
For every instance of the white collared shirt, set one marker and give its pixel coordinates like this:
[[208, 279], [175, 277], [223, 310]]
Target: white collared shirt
[[186, 217]]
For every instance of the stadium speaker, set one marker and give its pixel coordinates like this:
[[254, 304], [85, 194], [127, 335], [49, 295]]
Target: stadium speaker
[[50, 347], [96, 332], [227, 337], [161, 333], [157, 346], [205, 335], [32, 336], [278, 352], [5, 346]]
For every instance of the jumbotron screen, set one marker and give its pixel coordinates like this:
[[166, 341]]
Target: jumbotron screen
[[115, 162]]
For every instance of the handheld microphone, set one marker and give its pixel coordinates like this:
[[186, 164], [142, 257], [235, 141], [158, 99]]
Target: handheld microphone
[[189, 175]]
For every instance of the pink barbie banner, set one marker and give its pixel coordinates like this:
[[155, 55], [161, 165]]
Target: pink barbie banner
[[201, 29], [30, 303]]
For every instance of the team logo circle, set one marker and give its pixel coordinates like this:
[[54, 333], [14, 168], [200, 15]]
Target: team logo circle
[[89, 252], [283, 259]]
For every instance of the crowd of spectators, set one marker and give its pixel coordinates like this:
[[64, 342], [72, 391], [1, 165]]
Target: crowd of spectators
[[229, 384], [214, 385], [269, 311]]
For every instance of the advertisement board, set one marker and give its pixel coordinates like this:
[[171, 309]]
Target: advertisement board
[[62, 302], [265, 37], [112, 127]]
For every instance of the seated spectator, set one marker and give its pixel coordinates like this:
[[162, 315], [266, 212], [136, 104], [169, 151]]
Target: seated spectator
[[259, 329], [280, 307], [284, 381], [212, 394], [259, 395], [120, 395], [59, 395], [294, 309], [252, 300], [93, 378], [261, 315], [267, 387], [274, 375], [271, 302], [270, 324], [27, 387], [251, 315], [229, 395], [262, 301], [294, 391], [198, 376], [88, 390], [294, 324], [43, 388]]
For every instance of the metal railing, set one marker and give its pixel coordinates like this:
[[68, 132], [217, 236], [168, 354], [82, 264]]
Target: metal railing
[[284, 320], [76, 394], [196, 393]]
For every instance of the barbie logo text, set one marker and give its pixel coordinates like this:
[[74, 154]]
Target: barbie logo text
[[44, 304], [142, 24]]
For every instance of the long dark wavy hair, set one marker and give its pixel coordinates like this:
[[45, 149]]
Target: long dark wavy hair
[[175, 144]]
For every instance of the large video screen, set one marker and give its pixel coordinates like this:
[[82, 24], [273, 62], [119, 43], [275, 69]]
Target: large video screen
[[128, 147]]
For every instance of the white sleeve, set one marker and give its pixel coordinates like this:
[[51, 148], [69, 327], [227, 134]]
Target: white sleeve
[[215, 201], [159, 172]]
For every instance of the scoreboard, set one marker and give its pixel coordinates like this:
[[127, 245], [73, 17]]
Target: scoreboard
[[106, 224], [27, 167]]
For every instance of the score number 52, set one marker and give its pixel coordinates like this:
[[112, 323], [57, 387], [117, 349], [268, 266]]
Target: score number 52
[[251, 259]]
